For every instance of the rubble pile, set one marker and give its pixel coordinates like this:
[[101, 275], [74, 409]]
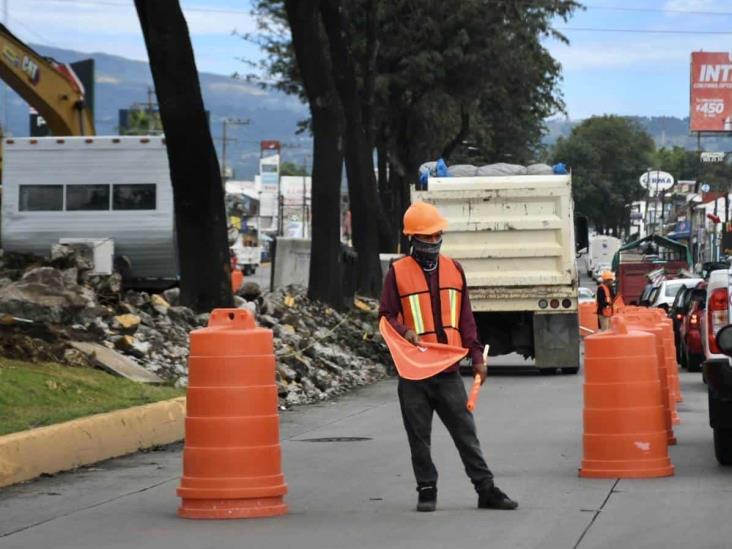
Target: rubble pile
[[46, 304]]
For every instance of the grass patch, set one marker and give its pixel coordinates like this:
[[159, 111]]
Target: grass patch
[[33, 395]]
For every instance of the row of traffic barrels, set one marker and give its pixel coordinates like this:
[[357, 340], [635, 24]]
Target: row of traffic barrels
[[631, 390]]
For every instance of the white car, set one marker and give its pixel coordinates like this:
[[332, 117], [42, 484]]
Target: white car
[[669, 288], [717, 366], [585, 295]]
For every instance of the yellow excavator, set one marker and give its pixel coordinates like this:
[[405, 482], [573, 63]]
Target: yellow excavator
[[51, 88]]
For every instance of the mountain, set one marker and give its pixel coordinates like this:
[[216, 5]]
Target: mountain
[[120, 82]]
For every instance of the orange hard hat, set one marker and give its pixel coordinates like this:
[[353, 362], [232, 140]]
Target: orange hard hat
[[423, 218], [607, 275]]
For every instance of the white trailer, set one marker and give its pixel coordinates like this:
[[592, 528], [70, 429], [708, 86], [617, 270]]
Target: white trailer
[[601, 251], [92, 188], [514, 237]]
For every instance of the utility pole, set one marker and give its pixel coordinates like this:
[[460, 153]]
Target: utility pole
[[5, 86], [304, 195], [225, 140]]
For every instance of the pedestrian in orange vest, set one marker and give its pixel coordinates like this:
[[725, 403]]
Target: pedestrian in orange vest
[[605, 300], [425, 298]]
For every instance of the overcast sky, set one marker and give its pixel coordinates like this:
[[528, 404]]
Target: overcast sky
[[644, 72]]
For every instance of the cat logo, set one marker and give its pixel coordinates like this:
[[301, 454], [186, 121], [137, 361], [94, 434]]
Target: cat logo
[[31, 69]]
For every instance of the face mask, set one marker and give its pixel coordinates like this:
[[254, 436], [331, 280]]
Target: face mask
[[426, 253]]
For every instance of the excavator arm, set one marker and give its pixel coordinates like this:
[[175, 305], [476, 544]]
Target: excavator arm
[[50, 87]]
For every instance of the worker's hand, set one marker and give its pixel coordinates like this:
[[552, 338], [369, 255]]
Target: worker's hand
[[480, 370], [412, 337]]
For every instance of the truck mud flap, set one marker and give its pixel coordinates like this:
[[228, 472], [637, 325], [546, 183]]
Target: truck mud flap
[[556, 340]]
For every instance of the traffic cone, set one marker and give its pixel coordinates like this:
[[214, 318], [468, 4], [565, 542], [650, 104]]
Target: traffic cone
[[658, 317], [588, 319], [237, 279], [646, 324], [624, 428], [232, 456]]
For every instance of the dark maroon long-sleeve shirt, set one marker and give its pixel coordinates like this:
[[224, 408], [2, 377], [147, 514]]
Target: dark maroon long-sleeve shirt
[[391, 307]]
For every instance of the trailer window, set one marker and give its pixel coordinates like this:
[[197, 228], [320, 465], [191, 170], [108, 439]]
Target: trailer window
[[41, 198], [87, 197], [134, 197]]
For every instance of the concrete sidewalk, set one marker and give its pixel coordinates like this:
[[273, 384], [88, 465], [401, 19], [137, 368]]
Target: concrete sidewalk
[[361, 494]]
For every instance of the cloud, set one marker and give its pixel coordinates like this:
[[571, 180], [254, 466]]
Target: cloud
[[106, 79], [236, 88]]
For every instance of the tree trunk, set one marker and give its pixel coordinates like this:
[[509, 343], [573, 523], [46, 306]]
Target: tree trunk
[[367, 215], [198, 194], [311, 54]]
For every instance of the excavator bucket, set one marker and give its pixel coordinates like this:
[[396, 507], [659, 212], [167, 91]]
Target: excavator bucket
[[421, 361]]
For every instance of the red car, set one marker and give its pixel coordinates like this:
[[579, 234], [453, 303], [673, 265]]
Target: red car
[[691, 350]]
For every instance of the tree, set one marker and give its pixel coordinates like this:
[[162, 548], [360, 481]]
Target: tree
[[607, 155], [313, 67], [290, 168], [198, 194]]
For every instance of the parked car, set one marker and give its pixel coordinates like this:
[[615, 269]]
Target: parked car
[[717, 367], [669, 288], [690, 349], [585, 295], [648, 295]]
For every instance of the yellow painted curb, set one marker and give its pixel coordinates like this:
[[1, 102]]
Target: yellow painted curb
[[64, 446]]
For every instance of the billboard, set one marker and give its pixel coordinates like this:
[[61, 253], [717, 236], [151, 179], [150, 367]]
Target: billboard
[[711, 92]]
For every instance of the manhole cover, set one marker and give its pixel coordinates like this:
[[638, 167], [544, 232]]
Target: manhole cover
[[335, 439]]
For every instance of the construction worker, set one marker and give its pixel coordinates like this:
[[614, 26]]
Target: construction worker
[[605, 300], [425, 299]]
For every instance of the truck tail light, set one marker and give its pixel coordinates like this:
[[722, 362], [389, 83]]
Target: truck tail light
[[718, 316]]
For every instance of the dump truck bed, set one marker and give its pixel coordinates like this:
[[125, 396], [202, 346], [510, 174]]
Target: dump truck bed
[[513, 235]]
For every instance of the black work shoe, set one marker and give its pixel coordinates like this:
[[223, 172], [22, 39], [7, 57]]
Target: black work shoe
[[493, 498], [427, 499]]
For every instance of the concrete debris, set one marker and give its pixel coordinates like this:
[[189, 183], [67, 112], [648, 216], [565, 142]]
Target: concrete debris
[[114, 362], [79, 319]]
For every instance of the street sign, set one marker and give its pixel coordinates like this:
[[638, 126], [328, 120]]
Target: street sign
[[713, 157], [659, 181]]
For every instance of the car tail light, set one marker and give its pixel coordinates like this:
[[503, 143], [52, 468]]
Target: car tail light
[[679, 316], [694, 319], [718, 317]]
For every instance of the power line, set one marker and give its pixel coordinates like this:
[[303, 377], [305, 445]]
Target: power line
[[639, 31], [656, 10]]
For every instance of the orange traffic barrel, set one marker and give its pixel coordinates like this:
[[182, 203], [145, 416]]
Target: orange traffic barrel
[[588, 318], [624, 428], [237, 279], [658, 317], [646, 324], [232, 465], [668, 326]]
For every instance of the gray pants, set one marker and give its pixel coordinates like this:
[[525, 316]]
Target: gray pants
[[444, 394]]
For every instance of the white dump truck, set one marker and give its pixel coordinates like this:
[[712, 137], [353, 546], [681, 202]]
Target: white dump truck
[[514, 236]]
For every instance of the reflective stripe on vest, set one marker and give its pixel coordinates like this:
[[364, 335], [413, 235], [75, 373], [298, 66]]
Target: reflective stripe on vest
[[416, 301], [607, 310]]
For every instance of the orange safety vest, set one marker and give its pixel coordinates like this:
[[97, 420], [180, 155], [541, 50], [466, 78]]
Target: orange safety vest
[[414, 295], [608, 309]]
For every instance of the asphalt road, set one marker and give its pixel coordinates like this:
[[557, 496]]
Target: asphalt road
[[361, 494]]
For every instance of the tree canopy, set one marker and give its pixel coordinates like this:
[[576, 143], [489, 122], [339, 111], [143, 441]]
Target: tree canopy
[[607, 155]]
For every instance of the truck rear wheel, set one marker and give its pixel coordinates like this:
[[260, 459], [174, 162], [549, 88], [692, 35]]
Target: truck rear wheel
[[723, 446]]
